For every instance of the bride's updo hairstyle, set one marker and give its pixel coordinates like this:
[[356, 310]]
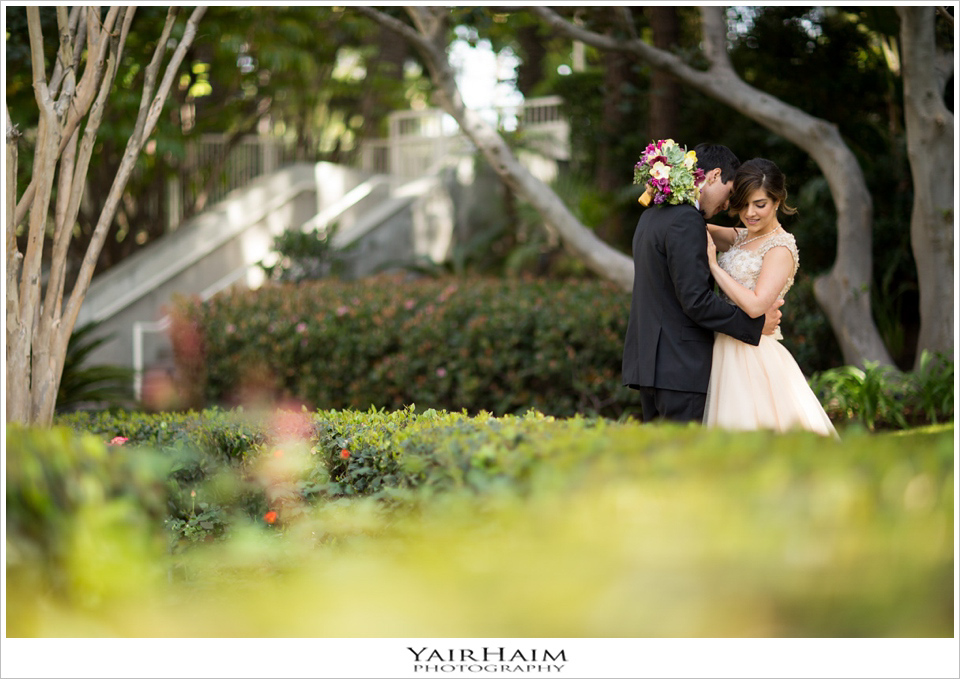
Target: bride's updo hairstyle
[[759, 173]]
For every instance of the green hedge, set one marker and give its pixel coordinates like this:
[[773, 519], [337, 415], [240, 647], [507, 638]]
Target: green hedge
[[493, 345], [296, 523], [485, 345]]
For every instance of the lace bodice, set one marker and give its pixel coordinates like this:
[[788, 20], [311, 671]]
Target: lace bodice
[[744, 265]]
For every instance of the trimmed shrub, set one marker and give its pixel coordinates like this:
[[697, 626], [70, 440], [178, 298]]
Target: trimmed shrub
[[481, 344], [346, 511]]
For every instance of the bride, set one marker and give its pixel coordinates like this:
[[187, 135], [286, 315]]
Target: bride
[[757, 387]]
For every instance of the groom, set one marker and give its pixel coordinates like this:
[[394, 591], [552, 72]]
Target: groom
[[674, 312]]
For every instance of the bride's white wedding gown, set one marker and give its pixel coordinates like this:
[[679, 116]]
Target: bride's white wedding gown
[[760, 387]]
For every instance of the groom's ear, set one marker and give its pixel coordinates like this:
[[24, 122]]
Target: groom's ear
[[713, 175]]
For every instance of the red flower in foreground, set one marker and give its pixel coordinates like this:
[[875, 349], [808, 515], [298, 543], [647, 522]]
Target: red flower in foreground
[[344, 453], [270, 517], [118, 440]]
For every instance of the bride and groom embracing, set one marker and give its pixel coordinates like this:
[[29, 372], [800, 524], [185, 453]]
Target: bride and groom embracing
[[694, 355]]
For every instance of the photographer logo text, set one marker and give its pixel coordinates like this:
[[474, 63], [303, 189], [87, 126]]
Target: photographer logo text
[[486, 660]]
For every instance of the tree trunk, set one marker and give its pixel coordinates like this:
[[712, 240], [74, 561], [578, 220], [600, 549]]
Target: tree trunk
[[430, 41], [610, 173], [388, 63], [18, 392], [930, 148], [38, 333], [534, 54], [615, 75], [664, 88], [844, 292]]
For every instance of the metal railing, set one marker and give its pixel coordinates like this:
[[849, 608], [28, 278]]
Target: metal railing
[[237, 165], [418, 140]]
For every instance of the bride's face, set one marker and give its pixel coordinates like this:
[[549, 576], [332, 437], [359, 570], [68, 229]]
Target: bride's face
[[759, 215]]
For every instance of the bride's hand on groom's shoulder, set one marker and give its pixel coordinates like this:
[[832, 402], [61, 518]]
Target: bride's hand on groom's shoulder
[[723, 236], [772, 318], [711, 250]]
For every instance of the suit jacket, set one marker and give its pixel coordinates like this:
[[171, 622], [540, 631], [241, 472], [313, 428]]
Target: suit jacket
[[674, 310]]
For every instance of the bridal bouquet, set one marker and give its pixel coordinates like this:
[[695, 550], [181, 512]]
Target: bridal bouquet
[[669, 174]]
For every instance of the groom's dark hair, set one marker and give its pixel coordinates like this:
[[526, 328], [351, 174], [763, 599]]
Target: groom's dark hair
[[711, 156]]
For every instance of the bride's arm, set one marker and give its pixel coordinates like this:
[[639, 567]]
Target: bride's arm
[[723, 236], [776, 268]]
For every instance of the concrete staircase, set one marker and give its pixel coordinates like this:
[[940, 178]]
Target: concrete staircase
[[386, 220]]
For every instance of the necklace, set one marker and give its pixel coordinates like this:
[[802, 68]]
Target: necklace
[[763, 235]]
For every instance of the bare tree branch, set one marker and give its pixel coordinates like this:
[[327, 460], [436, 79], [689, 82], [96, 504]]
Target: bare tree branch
[[96, 113], [45, 158], [393, 24], [150, 74], [627, 18], [22, 321], [99, 44], [430, 42], [38, 333], [76, 18], [134, 146], [13, 254], [36, 47], [713, 27], [63, 222], [66, 44], [844, 291]]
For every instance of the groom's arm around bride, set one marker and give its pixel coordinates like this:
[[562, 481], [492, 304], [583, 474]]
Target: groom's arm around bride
[[674, 310]]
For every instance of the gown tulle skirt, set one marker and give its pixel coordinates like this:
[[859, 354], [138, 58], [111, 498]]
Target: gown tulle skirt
[[761, 387]]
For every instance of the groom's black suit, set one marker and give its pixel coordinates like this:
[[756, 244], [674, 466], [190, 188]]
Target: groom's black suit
[[674, 312]]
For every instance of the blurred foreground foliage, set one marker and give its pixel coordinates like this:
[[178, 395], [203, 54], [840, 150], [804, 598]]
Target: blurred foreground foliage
[[291, 523]]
